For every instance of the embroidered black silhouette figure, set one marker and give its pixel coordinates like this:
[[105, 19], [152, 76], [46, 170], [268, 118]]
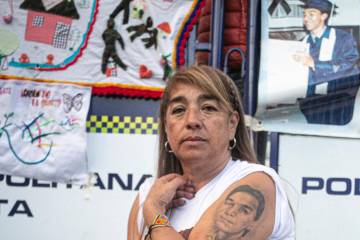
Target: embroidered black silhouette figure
[[124, 5], [166, 67], [140, 29], [110, 36], [152, 39]]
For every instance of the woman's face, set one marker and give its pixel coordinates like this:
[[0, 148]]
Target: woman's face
[[197, 126]]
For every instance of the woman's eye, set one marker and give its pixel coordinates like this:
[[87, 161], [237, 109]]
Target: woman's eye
[[209, 108], [177, 110]]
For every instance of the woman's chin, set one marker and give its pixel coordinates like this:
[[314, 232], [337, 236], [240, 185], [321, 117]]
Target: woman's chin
[[193, 153]]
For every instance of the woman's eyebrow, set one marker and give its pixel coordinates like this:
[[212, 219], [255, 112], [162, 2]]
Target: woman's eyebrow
[[177, 99], [201, 98], [205, 97]]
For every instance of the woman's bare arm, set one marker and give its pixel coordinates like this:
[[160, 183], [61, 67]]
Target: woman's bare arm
[[133, 233], [246, 210]]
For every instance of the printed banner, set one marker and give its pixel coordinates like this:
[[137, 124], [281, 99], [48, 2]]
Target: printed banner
[[43, 130], [126, 47], [324, 193], [73, 213], [309, 71]]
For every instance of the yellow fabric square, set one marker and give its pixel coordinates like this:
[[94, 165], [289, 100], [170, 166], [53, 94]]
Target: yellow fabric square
[[93, 118], [138, 119], [104, 118], [149, 120], [127, 119], [93, 130], [115, 119]]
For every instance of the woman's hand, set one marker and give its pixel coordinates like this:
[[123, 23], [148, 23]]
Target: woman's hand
[[167, 191], [185, 191]]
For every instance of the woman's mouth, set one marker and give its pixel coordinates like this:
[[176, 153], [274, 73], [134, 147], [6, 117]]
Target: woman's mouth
[[193, 139]]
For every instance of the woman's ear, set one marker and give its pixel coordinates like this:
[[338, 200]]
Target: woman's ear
[[233, 123]]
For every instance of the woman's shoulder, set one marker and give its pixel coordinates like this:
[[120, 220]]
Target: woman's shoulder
[[243, 168]]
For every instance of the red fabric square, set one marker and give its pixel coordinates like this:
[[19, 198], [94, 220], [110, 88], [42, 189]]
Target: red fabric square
[[44, 33]]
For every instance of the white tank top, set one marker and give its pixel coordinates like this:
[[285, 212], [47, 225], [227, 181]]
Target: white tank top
[[187, 216]]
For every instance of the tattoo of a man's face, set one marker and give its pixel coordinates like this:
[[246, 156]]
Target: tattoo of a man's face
[[240, 210]]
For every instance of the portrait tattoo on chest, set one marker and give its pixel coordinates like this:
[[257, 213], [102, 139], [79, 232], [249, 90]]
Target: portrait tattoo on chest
[[236, 216]]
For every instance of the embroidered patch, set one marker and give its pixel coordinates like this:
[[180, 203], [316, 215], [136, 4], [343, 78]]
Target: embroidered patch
[[61, 35], [38, 21]]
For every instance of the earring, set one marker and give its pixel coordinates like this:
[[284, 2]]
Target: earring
[[232, 144], [167, 147]]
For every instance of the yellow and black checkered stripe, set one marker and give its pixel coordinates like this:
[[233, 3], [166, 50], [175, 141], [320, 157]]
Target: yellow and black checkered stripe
[[122, 124]]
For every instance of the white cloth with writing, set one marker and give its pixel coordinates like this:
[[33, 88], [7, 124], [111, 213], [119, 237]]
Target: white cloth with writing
[[43, 131]]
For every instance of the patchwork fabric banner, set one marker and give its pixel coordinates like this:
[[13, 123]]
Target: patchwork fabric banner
[[126, 47], [43, 130]]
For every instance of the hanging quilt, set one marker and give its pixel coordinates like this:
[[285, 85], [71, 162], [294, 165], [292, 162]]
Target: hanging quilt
[[125, 47], [42, 130]]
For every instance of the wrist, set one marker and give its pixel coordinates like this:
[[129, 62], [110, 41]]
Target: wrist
[[160, 221], [151, 211]]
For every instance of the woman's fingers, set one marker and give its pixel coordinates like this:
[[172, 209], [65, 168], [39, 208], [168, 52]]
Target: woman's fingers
[[184, 194], [164, 189], [171, 190], [177, 203], [169, 177], [163, 193], [185, 191]]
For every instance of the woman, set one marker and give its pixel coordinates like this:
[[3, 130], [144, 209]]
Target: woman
[[209, 185]]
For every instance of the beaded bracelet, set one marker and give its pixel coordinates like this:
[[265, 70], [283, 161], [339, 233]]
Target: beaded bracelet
[[160, 220]]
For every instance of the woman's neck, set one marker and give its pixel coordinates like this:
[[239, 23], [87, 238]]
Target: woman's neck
[[200, 172]]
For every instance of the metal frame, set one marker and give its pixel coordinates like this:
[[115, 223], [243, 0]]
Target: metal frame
[[274, 150], [216, 31]]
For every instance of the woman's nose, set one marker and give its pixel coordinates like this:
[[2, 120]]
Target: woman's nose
[[193, 118]]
